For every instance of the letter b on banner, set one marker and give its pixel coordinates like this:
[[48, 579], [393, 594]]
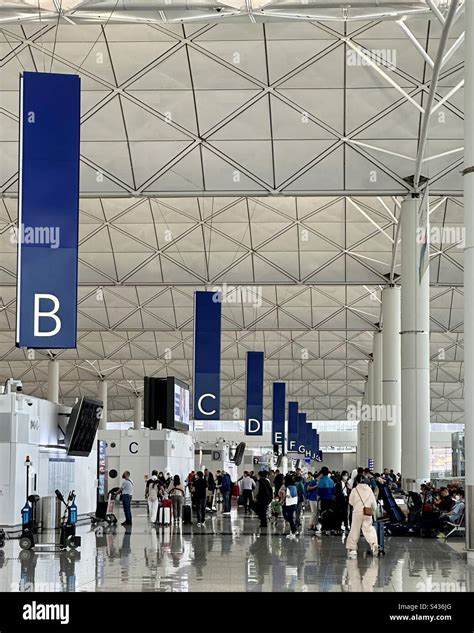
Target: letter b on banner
[[48, 210]]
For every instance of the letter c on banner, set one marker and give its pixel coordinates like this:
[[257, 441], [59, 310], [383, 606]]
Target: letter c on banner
[[49, 315], [255, 430], [130, 448], [206, 395]]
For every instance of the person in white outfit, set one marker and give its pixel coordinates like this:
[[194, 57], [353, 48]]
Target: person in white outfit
[[362, 497], [152, 493]]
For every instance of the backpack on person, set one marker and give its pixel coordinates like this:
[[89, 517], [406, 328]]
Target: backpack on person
[[265, 490], [153, 491]]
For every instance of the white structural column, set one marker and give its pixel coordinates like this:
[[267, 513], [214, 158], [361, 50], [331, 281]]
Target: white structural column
[[378, 401], [370, 421], [53, 381], [391, 378], [469, 275], [415, 344], [137, 414], [102, 395], [362, 435]]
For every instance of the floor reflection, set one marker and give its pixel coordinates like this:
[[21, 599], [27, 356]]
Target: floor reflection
[[232, 554]]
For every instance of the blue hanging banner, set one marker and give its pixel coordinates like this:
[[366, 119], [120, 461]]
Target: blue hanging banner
[[292, 427], [316, 445], [254, 394], [302, 437], [278, 414], [309, 445], [48, 211], [207, 355]]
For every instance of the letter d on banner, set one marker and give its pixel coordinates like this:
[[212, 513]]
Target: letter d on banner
[[48, 211], [207, 355], [254, 394]]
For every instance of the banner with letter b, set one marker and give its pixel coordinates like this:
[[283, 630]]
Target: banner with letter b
[[48, 211]]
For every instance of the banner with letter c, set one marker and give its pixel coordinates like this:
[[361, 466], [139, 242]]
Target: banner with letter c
[[207, 355], [254, 394], [48, 210]]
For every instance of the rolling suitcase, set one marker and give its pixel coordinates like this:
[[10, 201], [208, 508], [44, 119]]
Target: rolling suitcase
[[380, 529], [187, 515], [164, 515]]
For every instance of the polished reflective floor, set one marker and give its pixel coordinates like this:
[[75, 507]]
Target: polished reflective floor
[[232, 554]]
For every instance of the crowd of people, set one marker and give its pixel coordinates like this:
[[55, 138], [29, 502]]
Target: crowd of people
[[337, 502]]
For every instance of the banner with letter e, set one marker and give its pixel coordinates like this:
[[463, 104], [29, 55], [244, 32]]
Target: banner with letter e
[[48, 210], [278, 415], [207, 355], [254, 394]]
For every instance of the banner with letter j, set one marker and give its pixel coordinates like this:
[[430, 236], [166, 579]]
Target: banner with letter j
[[48, 210], [207, 355]]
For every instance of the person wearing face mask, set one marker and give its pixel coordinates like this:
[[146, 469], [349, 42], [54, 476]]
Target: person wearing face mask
[[346, 491]]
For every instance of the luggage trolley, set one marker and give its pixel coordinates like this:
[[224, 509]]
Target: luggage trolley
[[105, 511], [68, 538]]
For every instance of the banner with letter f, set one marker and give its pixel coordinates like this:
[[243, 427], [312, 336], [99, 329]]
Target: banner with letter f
[[254, 394], [292, 427], [48, 210]]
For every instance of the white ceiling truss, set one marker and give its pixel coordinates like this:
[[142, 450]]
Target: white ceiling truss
[[254, 149], [262, 109], [317, 266]]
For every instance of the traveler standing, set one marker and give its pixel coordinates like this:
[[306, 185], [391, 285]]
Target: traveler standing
[[289, 498], [326, 497], [247, 486], [301, 499], [263, 497], [346, 491], [152, 491], [218, 486], [364, 505], [126, 493], [200, 494], [278, 482], [271, 478], [176, 493], [226, 489], [312, 496]]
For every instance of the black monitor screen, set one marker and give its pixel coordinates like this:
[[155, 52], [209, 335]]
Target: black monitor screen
[[239, 454], [82, 426]]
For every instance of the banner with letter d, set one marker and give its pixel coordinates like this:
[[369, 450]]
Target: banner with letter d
[[48, 211], [254, 394]]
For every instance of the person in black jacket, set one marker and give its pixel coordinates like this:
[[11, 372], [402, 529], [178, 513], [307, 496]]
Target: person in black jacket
[[263, 497], [200, 495], [278, 482]]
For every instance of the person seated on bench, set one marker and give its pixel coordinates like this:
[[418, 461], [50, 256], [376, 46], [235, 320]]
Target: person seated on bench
[[454, 515]]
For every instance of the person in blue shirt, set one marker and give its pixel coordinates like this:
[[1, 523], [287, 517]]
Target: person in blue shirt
[[311, 493], [326, 495]]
